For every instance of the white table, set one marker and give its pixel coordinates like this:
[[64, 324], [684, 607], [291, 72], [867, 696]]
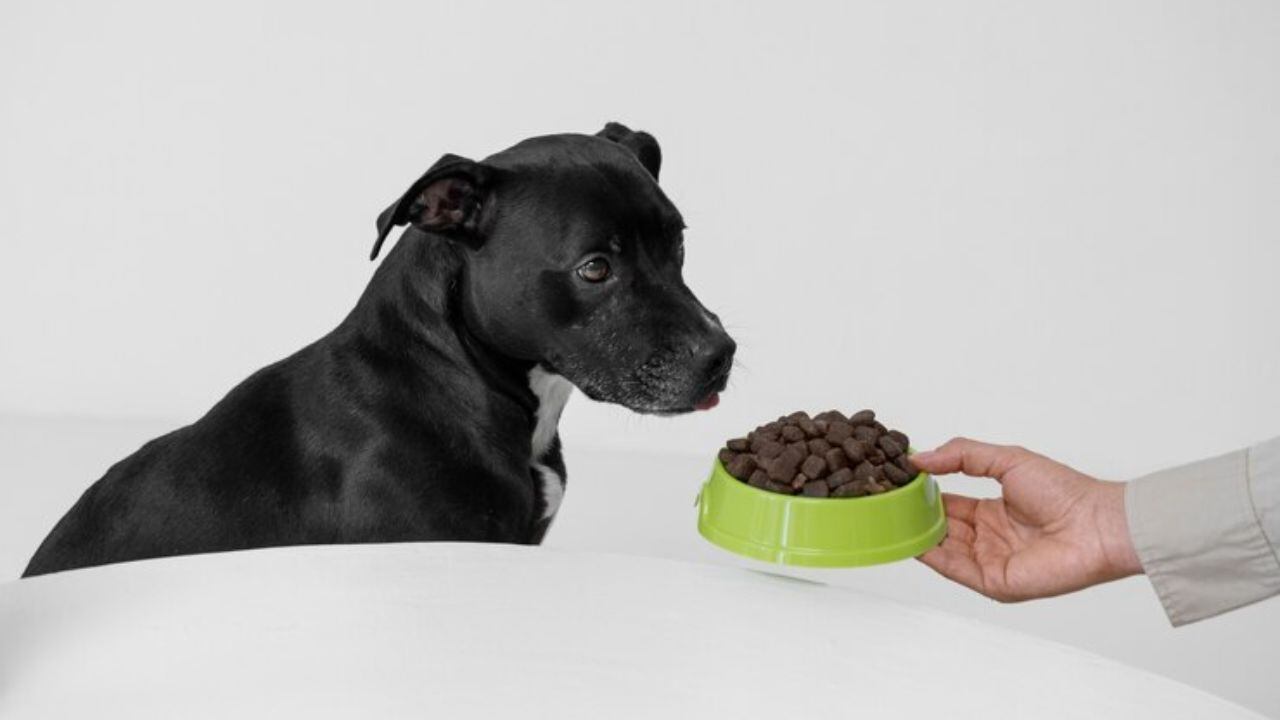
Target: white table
[[466, 630]]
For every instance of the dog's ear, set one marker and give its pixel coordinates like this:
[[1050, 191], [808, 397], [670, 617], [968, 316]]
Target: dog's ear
[[640, 143], [447, 199]]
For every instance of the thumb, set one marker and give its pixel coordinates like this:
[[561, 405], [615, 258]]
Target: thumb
[[973, 458]]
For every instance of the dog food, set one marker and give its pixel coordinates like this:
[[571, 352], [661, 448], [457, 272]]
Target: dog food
[[827, 455]]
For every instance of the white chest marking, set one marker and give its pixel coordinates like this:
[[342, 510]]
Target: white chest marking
[[552, 392]]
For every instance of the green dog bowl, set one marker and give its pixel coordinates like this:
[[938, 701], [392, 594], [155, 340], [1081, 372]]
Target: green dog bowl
[[821, 532]]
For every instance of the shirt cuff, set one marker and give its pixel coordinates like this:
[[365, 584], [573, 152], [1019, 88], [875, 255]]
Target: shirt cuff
[[1198, 536]]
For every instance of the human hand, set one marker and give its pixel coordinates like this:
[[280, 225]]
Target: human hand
[[1053, 531]]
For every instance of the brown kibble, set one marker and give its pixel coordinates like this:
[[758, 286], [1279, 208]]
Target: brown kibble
[[836, 459], [904, 461], [742, 466], [854, 450], [865, 471], [824, 455], [814, 466], [901, 438], [810, 429], [853, 489], [862, 417], [782, 488], [769, 450], [838, 432], [889, 446], [783, 468], [843, 476], [819, 446], [895, 474], [816, 489]]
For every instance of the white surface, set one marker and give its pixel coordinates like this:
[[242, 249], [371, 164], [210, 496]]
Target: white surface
[[481, 631], [1048, 224], [642, 504]]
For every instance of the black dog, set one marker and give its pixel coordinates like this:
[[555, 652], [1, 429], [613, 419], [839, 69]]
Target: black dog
[[430, 413]]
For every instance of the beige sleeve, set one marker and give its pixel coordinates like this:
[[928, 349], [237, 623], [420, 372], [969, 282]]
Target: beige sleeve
[[1208, 533]]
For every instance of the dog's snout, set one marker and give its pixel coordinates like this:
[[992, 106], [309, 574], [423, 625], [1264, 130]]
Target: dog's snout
[[717, 356]]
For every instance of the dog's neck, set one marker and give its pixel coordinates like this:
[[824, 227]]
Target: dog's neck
[[411, 309]]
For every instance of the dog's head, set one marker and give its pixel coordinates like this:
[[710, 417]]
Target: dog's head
[[572, 259]]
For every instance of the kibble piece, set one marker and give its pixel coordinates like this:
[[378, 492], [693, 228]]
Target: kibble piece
[[816, 488], [854, 450], [800, 447], [880, 428], [876, 488], [742, 466], [862, 417], [838, 432], [901, 438], [739, 445], [853, 489], [810, 429], [836, 459], [783, 468], [865, 433], [843, 476], [875, 456], [819, 446], [904, 461], [890, 446], [726, 456], [822, 425], [830, 416], [792, 433], [798, 415], [779, 488], [814, 466], [865, 471], [759, 479], [895, 474], [769, 450], [798, 481]]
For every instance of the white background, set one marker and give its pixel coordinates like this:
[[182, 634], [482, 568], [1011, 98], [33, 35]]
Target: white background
[[1056, 225]]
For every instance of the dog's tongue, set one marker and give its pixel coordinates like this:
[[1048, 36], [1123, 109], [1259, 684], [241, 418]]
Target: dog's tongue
[[709, 402]]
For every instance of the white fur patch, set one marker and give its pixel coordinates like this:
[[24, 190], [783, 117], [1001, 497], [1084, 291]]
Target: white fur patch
[[552, 392], [552, 489]]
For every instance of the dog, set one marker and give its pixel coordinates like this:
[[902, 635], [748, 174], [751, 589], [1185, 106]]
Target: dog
[[430, 413]]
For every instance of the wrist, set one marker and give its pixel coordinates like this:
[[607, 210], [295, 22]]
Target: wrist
[[1119, 558]]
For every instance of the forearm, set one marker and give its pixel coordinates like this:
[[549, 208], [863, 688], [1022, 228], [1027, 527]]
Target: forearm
[[1207, 533]]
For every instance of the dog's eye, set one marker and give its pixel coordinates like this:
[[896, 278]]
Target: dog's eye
[[594, 270]]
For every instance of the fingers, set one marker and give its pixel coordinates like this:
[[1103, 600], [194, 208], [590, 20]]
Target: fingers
[[973, 458], [959, 507], [953, 563]]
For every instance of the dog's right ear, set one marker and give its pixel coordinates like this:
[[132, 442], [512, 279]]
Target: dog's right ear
[[447, 199]]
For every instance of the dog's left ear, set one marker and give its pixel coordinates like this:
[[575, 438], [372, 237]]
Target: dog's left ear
[[640, 143], [447, 199]]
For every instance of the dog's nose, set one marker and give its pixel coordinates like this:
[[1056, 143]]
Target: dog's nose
[[717, 356]]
